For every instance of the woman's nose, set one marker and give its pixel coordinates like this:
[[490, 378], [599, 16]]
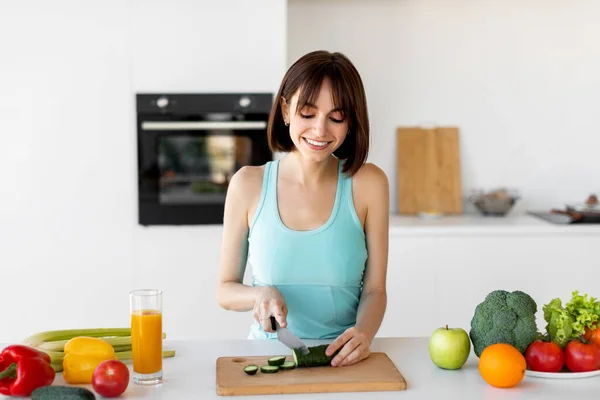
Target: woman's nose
[[320, 126]]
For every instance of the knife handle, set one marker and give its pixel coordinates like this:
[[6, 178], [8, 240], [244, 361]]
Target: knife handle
[[273, 324]]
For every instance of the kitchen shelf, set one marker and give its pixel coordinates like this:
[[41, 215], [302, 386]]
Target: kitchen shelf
[[475, 225]]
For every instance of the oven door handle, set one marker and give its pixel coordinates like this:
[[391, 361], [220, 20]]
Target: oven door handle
[[202, 125]]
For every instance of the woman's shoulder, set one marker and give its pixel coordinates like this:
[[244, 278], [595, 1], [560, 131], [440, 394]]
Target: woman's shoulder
[[247, 180], [370, 175], [370, 189], [243, 192], [249, 172]]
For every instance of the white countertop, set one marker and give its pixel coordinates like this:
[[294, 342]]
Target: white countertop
[[474, 224], [191, 375]]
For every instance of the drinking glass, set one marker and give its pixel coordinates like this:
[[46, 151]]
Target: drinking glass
[[146, 335]]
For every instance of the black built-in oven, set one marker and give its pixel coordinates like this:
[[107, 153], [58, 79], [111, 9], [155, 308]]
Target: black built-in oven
[[189, 147]]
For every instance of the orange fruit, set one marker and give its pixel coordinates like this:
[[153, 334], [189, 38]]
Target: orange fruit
[[502, 365]]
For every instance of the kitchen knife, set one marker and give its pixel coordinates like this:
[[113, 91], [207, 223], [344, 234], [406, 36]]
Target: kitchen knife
[[286, 337]]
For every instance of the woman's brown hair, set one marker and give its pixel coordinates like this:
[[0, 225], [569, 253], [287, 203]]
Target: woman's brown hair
[[307, 75]]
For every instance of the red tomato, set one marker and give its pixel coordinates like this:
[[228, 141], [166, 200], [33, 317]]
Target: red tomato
[[593, 335], [582, 357], [110, 378], [545, 356]]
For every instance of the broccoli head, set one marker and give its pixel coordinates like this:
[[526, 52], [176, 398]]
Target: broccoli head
[[504, 317]]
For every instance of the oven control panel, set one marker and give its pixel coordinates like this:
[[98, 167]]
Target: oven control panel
[[204, 103]]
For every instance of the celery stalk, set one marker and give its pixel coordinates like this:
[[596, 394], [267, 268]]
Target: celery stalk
[[128, 355], [66, 334], [117, 342], [57, 366], [122, 347], [59, 345], [55, 356]]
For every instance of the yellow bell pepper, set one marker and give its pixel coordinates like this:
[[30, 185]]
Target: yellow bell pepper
[[82, 356]]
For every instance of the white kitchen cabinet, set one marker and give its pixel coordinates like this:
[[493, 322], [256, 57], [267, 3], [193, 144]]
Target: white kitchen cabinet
[[440, 270], [410, 286]]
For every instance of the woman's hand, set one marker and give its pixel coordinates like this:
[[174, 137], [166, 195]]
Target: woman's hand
[[356, 347], [269, 302]]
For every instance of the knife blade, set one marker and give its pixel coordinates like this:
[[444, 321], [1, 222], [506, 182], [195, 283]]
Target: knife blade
[[286, 337]]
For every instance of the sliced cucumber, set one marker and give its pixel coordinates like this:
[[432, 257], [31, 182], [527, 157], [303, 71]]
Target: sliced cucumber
[[269, 369], [287, 365], [276, 361], [251, 369], [315, 358]]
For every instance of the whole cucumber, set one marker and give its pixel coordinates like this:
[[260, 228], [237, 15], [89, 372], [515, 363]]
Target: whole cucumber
[[315, 358], [62, 393]]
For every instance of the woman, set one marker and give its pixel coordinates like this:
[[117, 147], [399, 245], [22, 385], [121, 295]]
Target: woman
[[314, 224]]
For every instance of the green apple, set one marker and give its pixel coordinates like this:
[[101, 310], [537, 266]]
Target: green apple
[[449, 348]]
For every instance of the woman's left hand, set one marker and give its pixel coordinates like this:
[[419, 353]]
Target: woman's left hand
[[356, 347]]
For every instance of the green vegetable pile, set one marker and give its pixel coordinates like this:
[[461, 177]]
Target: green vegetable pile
[[504, 317], [569, 322]]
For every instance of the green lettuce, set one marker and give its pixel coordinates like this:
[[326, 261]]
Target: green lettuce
[[569, 322], [560, 322], [584, 310]]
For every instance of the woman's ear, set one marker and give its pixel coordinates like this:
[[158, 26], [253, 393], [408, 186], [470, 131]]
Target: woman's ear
[[285, 110]]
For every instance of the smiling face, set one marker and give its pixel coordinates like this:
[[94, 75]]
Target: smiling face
[[318, 128], [321, 109]]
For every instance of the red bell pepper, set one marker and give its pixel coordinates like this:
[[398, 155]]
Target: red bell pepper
[[24, 369]]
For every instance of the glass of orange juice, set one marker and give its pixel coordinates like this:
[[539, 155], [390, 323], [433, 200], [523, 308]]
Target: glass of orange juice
[[146, 335]]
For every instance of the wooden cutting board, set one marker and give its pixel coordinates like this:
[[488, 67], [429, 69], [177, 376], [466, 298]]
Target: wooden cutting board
[[429, 175], [376, 373]]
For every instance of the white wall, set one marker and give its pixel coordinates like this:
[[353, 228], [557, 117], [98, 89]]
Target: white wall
[[520, 78], [196, 46], [70, 246]]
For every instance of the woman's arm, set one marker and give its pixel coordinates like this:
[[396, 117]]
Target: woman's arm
[[243, 195], [356, 341], [232, 294], [373, 300]]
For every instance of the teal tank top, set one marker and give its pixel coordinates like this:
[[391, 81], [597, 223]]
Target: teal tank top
[[319, 272]]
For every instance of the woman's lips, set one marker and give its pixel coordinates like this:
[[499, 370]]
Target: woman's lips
[[315, 144]]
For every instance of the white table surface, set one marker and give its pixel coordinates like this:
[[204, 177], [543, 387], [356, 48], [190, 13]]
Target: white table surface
[[191, 374]]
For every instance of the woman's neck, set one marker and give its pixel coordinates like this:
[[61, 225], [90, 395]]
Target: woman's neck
[[309, 173]]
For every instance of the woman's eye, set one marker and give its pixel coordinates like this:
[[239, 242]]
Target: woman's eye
[[337, 121], [306, 116]]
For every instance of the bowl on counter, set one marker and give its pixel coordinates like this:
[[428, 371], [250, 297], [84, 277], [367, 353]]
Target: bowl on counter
[[496, 202]]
